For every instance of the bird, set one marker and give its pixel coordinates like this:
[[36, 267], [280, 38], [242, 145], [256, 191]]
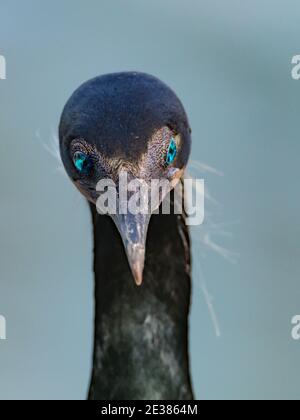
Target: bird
[[133, 122]]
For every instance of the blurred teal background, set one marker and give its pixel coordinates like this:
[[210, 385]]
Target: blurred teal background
[[230, 63]]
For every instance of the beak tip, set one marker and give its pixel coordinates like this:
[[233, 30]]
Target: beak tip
[[137, 271], [138, 282], [136, 259], [133, 231]]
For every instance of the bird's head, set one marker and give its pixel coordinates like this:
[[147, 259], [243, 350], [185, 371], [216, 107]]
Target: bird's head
[[125, 123]]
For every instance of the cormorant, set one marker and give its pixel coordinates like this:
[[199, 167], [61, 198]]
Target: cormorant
[[133, 122]]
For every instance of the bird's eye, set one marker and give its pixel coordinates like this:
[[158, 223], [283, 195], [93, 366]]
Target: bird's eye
[[82, 163], [172, 152]]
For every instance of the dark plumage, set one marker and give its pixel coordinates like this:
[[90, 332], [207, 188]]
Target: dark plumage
[[125, 122]]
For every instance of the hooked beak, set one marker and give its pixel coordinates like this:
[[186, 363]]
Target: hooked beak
[[133, 230], [133, 226]]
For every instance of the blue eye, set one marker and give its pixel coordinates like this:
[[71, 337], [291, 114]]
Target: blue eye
[[172, 152], [82, 163]]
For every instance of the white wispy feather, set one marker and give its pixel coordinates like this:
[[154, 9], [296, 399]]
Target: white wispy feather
[[204, 233], [52, 147]]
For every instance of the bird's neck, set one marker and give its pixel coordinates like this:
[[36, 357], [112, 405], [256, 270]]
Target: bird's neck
[[141, 333]]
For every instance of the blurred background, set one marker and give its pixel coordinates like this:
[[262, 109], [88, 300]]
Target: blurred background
[[230, 63]]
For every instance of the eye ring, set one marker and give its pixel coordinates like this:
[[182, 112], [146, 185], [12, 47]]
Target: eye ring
[[82, 163], [172, 151]]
